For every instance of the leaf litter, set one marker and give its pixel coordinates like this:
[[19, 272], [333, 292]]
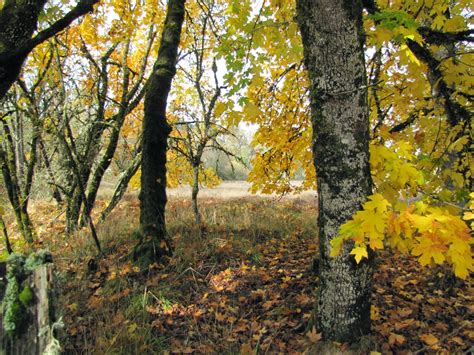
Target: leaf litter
[[249, 297]]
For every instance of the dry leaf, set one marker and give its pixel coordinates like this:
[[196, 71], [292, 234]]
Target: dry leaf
[[396, 339], [429, 339], [220, 317], [314, 336], [246, 349]]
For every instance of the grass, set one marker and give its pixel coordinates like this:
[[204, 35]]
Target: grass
[[246, 286], [115, 309]]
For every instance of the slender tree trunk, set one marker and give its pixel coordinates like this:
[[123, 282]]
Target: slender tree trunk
[[194, 195], [122, 186], [17, 199], [156, 130], [47, 164], [334, 57], [19, 145], [3, 227]]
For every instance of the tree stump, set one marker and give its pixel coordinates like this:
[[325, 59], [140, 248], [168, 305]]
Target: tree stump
[[28, 317]]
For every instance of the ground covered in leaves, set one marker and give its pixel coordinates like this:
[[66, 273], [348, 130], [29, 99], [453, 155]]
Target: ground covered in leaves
[[247, 287]]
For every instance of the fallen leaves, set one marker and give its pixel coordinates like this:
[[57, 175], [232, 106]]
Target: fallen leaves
[[314, 336], [396, 339], [429, 339], [256, 298]]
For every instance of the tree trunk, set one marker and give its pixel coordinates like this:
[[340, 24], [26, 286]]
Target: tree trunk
[[29, 319], [156, 130], [121, 186], [334, 57], [47, 164], [194, 195], [3, 227], [7, 164], [18, 21]]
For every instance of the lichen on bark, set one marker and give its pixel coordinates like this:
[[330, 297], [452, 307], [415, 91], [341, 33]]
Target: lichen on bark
[[19, 294], [333, 53]]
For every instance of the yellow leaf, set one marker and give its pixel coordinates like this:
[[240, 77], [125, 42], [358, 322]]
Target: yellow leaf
[[359, 253], [396, 339], [251, 111], [336, 246], [219, 109], [429, 339]]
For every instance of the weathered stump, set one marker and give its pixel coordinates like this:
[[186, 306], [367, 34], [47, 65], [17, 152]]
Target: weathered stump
[[28, 317]]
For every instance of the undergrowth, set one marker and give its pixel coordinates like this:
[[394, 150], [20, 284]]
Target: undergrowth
[[247, 286], [114, 309]]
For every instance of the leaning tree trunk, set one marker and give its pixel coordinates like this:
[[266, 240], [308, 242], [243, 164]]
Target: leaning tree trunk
[[154, 242], [334, 57], [122, 184]]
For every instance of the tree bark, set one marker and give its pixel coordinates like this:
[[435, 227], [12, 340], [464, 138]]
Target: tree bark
[[334, 57], [121, 186], [18, 22], [156, 130], [47, 164], [194, 195], [3, 227]]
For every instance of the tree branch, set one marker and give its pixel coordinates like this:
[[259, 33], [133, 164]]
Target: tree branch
[[83, 7]]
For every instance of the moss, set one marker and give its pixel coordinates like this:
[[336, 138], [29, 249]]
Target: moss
[[26, 296], [17, 295], [15, 267], [41, 257], [14, 312]]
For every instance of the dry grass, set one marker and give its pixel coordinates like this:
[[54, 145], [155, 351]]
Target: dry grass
[[108, 310], [234, 189]]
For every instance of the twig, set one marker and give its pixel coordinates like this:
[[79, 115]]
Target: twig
[[454, 332]]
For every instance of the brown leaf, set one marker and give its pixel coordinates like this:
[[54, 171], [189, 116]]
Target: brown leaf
[[458, 341], [396, 339], [220, 317], [405, 312], [429, 339], [314, 336], [246, 349]]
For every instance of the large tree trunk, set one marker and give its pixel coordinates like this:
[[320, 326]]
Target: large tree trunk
[[18, 21], [333, 52], [156, 130], [29, 319]]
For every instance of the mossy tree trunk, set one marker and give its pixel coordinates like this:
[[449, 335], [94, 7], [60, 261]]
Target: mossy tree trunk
[[155, 242], [29, 320], [333, 52], [18, 199], [3, 227], [18, 22]]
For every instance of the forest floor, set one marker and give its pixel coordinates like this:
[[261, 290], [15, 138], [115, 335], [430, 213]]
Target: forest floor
[[247, 287]]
